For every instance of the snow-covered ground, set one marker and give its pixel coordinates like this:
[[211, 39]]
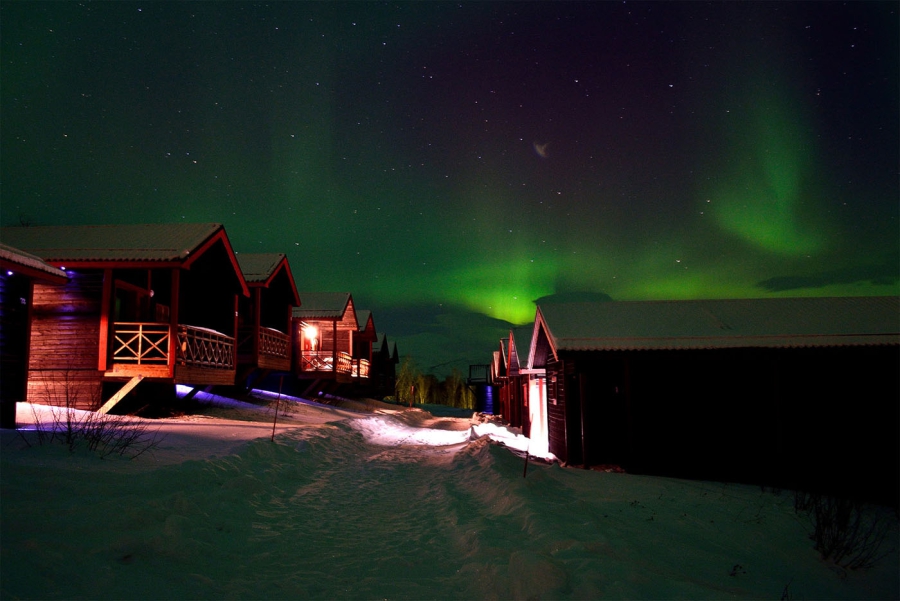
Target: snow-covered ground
[[381, 502]]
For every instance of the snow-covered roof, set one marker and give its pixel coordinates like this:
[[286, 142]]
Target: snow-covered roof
[[736, 323], [144, 242], [259, 267], [322, 305], [31, 265]]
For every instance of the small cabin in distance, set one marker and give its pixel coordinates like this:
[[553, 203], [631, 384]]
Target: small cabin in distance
[[264, 322], [515, 389], [155, 302], [324, 327], [383, 371], [362, 343], [18, 273]]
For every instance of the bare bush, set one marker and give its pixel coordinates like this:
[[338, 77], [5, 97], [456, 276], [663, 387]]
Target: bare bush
[[98, 432], [848, 533]]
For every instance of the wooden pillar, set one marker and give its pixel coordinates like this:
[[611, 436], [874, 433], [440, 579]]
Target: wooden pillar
[[106, 309], [581, 395], [334, 347], [234, 332], [257, 318], [174, 302]]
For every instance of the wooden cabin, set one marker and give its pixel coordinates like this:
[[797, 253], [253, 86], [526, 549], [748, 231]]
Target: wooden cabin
[[264, 317], [517, 385], [362, 342], [154, 302], [18, 273], [324, 330], [498, 377], [790, 392], [383, 371]]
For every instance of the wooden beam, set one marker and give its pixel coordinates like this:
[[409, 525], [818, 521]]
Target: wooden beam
[[105, 309], [174, 302], [128, 387]]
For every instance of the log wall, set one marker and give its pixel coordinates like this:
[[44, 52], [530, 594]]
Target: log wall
[[62, 367]]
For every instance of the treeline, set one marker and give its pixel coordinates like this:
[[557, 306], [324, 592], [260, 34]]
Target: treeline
[[414, 387]]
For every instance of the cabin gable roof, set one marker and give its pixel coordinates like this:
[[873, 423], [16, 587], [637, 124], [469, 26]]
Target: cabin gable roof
[[708, 324], [29, 265], [261, 269], [542, 347], [103, 246], [366, 325], [331, 306]]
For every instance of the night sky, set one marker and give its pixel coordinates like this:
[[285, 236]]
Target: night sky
[[442, 160]]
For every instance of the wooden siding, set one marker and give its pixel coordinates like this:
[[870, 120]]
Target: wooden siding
[[64, 343], [805, 418], [556, 410]]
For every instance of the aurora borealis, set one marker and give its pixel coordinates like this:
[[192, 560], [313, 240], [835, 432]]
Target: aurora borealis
[[474, 157]]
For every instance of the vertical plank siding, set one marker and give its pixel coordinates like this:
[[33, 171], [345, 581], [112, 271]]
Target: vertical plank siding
[[556, 410], [62, 368]]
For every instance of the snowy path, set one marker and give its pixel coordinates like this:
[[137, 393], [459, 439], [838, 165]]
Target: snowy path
[[325, 513]]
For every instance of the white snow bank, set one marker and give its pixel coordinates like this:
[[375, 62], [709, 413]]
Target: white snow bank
[[396, 430]]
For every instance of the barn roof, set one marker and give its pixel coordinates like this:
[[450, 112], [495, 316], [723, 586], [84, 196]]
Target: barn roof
[[322, 305], [144, 242], [706, 324], [30, 265]]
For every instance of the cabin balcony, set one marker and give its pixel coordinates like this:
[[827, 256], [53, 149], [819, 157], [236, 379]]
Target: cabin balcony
[[265, 348], [202, 355], [324, 362]]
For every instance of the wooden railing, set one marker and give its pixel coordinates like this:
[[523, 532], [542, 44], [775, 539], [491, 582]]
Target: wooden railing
[[141, 343], [271, 342], [201, 347], [360, 368], [324, 361]]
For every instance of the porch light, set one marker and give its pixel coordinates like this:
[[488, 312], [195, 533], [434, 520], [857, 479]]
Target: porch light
[[9, 273], [311, 332]]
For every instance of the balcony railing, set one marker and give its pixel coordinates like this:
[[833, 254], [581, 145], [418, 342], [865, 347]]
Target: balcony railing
[[271, 342], [141, 343], [360, 368], [323, 361], [202, 347]]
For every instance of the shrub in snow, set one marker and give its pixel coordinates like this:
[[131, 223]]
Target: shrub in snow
[[98, 432], [846, 532]]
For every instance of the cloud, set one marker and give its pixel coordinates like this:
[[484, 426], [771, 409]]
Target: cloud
[[573, 297], [884, 274]]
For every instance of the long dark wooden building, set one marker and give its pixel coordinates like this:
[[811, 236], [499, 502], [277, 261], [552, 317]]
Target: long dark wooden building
[[154, 302], [791, 392], [18, 273]]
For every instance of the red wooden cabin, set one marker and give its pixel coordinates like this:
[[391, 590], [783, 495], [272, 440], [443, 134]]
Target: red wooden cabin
[[18, 273], [365, 337], [264, 328], [157, 301], [324, 328]]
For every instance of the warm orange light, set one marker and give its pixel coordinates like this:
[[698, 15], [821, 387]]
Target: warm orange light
[[311, 332]]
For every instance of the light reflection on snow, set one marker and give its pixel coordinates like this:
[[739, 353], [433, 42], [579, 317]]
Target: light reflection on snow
[[384, 429]]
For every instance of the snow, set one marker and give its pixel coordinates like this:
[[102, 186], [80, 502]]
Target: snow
[[386, 503]]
